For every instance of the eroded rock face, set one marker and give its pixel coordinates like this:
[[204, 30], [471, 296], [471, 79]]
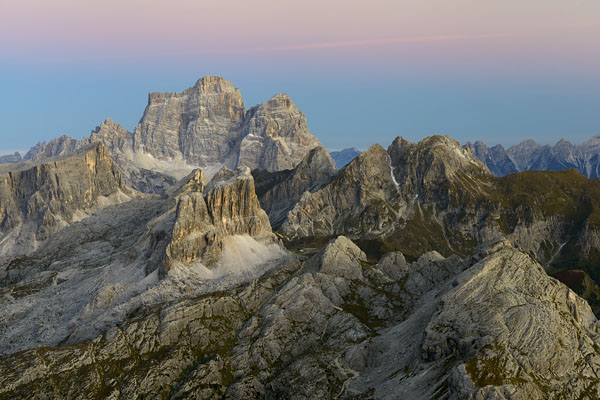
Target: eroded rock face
[[62, 146], [202, 125], [92, 274], [234, 206], [423, 168], [314, 171], [379, 188], [42, 199], [276, 136], [207, 214], [207, 125], [525, 335], [116, 139]]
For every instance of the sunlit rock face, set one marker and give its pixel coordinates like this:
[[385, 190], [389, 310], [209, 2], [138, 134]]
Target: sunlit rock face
[[208, 125], [201, 125], [276, 136]]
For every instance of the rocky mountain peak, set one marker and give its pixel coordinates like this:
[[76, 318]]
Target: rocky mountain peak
[[563, 143], [108, 124], [280, 191], [233, 204], [275, 136], [11, 158], [317, 159], [194, 182], [208, 126], [60, 146], [478, 147], [496, 158], [528, 144], [433, 160], [226, 175], [200, 125], [116, 138], [206, 216], [593, 142], [529, 155], [214, 84], [279, 100]]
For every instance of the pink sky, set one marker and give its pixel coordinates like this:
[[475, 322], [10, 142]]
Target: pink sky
[[68, 30]]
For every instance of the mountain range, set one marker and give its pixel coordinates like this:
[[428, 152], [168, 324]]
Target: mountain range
[[218, 252], [206, 126], [529, 155]]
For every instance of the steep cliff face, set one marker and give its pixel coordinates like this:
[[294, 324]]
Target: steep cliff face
[[276, 136], [146, 176], [355, 201], [207, 125], [39, 200], [424, 168], [278, 197], [207, 214], [202, 125], [379, 191], [93, 274]]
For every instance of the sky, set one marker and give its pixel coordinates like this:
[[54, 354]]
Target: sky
[[362, 72]]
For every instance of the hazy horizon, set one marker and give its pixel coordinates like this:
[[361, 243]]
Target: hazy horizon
[[500, 72]]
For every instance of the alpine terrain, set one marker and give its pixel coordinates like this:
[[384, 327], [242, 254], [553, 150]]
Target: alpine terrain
[[222, 252]]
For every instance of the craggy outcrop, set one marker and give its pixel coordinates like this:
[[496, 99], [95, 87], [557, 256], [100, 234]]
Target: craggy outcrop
[[279, 196], [201, 125], [276, 136], [41, 199], [206, 214]]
